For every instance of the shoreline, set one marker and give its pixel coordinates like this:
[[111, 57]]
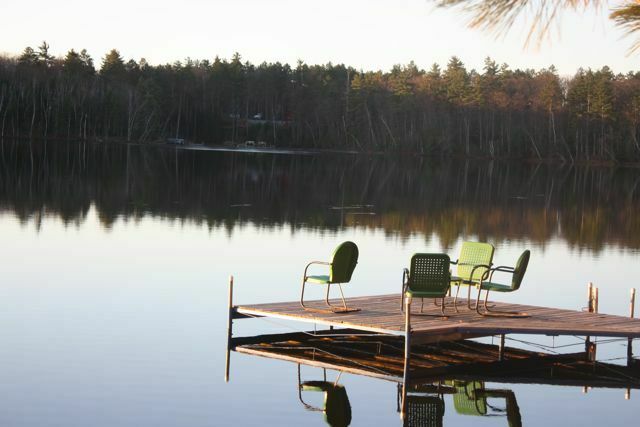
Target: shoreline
[[320, 151]]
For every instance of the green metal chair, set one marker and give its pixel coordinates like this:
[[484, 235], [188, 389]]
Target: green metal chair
[[424, 411], [428, 277], [471, 398], [336, 409], [468, 400], [341, 267], [474, 261], [422, 408], [517, 274]]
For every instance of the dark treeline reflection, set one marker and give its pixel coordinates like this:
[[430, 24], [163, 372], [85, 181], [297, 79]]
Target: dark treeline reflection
[[587, 207]]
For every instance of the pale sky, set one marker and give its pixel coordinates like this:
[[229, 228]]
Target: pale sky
[[366, 34]]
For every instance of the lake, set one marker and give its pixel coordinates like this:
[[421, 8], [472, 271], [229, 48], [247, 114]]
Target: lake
[[116, 259]]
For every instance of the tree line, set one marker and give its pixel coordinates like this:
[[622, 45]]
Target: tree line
[[496, 112]]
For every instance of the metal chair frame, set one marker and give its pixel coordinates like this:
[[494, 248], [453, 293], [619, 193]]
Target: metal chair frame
[[470, 281], [331, 308], [489, 275], [405, 286]]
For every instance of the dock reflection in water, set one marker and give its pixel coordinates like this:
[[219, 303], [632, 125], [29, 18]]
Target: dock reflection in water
[[464, 376]]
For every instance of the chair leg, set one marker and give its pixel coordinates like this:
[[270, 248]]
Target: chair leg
[[345, 308], [469, 298], [487, 312], [344, 303], [442, 306], [455, 299], [302, 294], [327, 297], [478, 300]]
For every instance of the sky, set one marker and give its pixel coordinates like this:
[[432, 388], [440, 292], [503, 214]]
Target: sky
[[365, 34]]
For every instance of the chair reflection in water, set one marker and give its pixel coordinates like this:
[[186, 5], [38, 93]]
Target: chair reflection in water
[[424, 405], [471, 398], [336, 409]]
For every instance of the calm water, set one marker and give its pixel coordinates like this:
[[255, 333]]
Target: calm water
[[115, 262]]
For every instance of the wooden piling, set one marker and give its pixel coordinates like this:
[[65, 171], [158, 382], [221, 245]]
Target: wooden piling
[[407, 354], [588, 345], [229, 329], [632, 306]]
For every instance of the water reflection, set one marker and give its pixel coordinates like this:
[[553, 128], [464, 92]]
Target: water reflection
[[336, 407], [586, 207], [461, 378], [425, 403]]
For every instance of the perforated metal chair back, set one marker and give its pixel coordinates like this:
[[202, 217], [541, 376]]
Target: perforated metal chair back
[[468, 400], [344, 261], [424, 411], [520, 269], [472, 254], [429, 273]]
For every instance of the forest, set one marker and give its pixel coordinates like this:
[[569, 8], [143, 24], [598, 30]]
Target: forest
[[496, 112]]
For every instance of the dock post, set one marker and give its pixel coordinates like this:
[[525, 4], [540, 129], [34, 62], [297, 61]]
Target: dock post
[[589, 347], [632, 306], [501, 349], [229, 330], [407, 354]]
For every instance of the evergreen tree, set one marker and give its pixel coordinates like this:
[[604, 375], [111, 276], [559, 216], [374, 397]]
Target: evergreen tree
[[113, 65]]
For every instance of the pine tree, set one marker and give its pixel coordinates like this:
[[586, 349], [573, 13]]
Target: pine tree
[[113, 65]]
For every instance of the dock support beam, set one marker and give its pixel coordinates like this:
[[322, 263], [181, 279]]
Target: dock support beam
[[592, 307], [407, 354], [501, 349], [632, 306], [229, 330]]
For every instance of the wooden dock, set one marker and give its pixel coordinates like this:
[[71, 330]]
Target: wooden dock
[[381, 314]]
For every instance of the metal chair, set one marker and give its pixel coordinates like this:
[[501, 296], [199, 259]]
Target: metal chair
[[428, 277], [474, 261], [517, 274], [341, 267]]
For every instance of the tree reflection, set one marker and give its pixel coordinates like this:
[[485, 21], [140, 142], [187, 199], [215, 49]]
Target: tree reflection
[[588, 207]]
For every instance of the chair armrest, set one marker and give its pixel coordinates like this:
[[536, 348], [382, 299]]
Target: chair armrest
[[312, 263], [501, 269], [405, 278], [454, 262], [485, 275], [504, 269]]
